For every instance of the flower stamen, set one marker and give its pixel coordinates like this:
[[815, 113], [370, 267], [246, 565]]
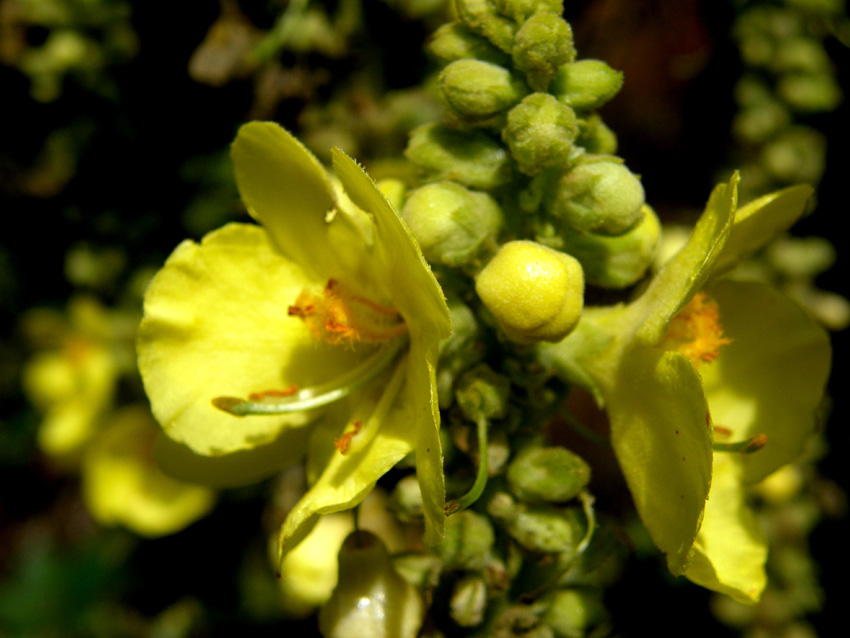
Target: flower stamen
[[696, 330], [293, 399], [337, 316]]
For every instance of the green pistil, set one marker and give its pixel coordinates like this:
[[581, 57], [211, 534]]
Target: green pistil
[[317, 396]]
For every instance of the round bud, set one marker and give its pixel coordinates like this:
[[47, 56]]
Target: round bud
[[454, 41], [599, 196], [586, 85], [450, 222], [477, 92], [620, 260], [541, 46], [595, 137], [534, 293], [469, 157], [483, 17], [540, 133], [575, 612], [552, 474]]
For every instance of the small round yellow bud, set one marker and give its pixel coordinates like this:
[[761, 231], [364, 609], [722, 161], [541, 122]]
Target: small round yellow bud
[[535, 293]]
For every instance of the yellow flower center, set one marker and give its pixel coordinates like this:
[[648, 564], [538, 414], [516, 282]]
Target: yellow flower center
[[696, 331], [337, 316]]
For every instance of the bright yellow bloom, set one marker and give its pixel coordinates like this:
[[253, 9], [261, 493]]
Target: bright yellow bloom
[[122, 485], [697, 363], [326, 315]]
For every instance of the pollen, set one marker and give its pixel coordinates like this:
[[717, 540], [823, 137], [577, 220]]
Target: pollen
[[344, 441], [337, 316], [696, 331]]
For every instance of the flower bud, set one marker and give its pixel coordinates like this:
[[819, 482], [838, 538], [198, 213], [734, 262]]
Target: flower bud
[[482, 17], [596, 137], [573, 613], [540, 132], [551, 474], [469, 601], [455, 41], [618, 261], [522, 10], [463, 349], [469, 157], [478, 92], [371, 600], [597, 196], [543, 528], [542, 45], [451, 223], [810, 92], [586, 85], [482, 393], [468, 541], [406, 500], [534, 293]]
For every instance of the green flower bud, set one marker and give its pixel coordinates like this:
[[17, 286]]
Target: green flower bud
[[595, 137], [534, 293], [371, 600], [468, 541], [586, 85], [801, 54], [797, 155], [455, 41], [483, 17], [597, 196], [541, 46], [478, 92], [482, 393], [460, 351], [758, 123], [540, 133], [469, 601], [469, 157], [618, 261], [573, 613], [810, 92], [406, 500], [552, 474], [451, 223], [522, 10], [543, 528]]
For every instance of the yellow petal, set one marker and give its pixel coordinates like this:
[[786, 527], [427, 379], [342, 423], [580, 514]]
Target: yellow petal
[[388, 413], [771, 378], [731, 549], [662, 440], [760, 220], [286, 188], [216, 325]]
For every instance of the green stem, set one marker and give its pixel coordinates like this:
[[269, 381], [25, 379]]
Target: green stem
[[480, 483]]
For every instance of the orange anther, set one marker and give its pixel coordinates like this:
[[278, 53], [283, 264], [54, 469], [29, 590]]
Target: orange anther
[[343, 442], [259, 396]]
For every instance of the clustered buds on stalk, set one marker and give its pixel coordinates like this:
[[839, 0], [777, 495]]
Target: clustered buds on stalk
[[523, 128]]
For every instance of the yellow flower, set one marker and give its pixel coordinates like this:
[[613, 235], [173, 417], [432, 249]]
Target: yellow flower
[[694, 358], [72, 376], [122, 485], [327, 314]]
